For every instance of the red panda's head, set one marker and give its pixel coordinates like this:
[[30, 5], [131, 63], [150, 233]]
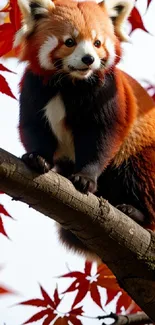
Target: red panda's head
[[77, 38]]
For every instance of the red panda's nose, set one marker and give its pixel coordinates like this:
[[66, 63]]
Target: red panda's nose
[[88, 59]]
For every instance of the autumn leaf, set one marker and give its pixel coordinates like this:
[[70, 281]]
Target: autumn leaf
[[8, 30], [148, 3], [4, 87], [3, 211], [6, 8], [4, 291], [107, 280], [15, 16], [84, 283], [47, 298], [48, 320], [50, 306], [2, 230], [61, 321], [124, 300], [35, 302], [103, 278], [133, 308], [95, 295], [39, 316], [47, 303], [56, 297], [87, 268], [136, 20], [3, 68], [6, 38], [71, 317]]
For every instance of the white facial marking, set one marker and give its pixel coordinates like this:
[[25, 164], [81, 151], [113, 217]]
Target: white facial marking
[[100, 38], [75, 32], [55, 114], [75, 59], [111, 51], [44, 59], [81, 74], [93, 33], [65, 37]]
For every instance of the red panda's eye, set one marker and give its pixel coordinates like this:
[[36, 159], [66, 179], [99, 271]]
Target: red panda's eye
[[69, 42], [97, 43]]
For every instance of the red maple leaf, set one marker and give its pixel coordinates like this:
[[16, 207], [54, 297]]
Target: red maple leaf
[[124, 300], [3, 211], [3, 68], [48, 320], [4, 291], [40, 315], [103, 278], [47, 303], [136, 20], [148, 3], [6, 8], [2, 229], [107, 280], [4, 87], [84, 282], [7, 33], [70, 317], [15, 15], [8, 30], [133, 308]]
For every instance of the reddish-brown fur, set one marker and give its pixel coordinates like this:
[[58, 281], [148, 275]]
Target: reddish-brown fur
[[67, 16], [135, 132]]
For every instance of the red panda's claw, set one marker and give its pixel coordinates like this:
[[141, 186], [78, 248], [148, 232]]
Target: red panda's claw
[[36, 162]]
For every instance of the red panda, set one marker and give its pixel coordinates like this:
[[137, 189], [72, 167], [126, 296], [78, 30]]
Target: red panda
[[79, 114]]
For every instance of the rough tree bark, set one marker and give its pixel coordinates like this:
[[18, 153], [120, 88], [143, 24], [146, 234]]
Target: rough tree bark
[[126, 248]]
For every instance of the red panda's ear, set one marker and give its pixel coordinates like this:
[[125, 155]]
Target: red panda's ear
[[119, 11], [32, 11], [35, 9]]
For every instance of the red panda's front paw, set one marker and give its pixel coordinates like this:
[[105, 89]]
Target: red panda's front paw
[[36, 162], [83, 184], [132, 212]]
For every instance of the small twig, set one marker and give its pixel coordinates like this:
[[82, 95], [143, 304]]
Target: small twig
[[138, 318]]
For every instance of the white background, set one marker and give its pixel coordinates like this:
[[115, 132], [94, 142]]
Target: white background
[[33, 254]]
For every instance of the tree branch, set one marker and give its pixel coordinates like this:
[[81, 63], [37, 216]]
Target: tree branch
[[135, 319], [126, 248]]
